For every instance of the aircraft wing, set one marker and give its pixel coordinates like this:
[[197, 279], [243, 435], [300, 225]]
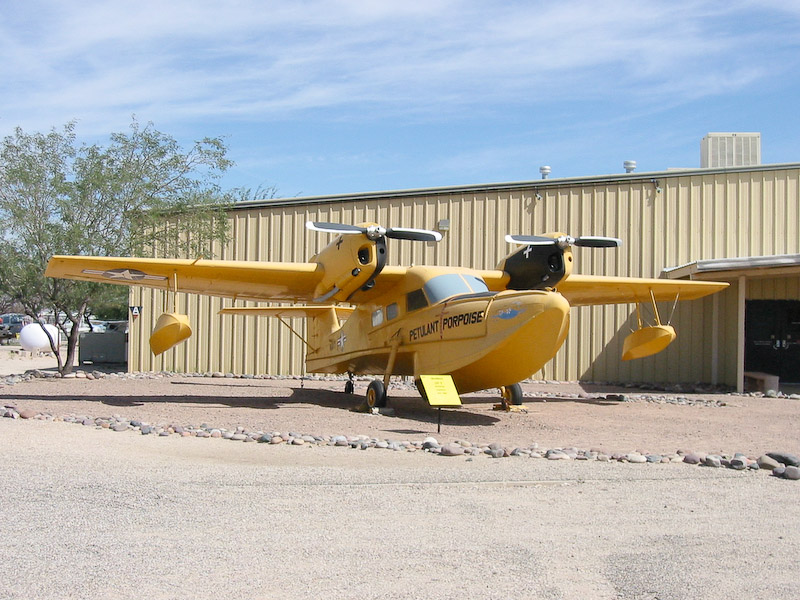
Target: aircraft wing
[[296, 282], [246, 280], [585, 290]]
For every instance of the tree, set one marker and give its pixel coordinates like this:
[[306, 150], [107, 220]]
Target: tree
[[140, 195], [246, 194]]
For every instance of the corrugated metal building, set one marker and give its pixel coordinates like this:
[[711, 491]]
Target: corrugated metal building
[[677, 223]]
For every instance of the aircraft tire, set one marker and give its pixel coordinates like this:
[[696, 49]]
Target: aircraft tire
[[376, 394], [349, 387], [512, 394]]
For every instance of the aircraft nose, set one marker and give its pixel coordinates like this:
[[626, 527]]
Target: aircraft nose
[[539, 321], [509, 306], [525, 329]]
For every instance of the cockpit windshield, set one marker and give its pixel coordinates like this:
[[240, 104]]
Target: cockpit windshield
[[446, 286]]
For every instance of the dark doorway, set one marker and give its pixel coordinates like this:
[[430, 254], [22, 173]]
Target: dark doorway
[[772, 338]]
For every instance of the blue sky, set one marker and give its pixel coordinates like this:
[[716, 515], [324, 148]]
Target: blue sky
[[326, 97]]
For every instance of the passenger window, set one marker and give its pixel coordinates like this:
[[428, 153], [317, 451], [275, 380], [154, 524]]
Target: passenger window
[[416, 300], [392, 311], [377, 317]]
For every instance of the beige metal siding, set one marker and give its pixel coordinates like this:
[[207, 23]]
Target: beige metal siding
[[696, 215], [779, 288]]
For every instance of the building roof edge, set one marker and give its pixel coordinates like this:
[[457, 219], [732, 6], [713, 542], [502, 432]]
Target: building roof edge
[[512, 185]]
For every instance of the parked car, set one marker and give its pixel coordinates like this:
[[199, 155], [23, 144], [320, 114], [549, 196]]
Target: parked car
[[11, 324]]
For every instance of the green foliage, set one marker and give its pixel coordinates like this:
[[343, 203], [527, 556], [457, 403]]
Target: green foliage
[[111, 305], [244, 194], [139, 195]]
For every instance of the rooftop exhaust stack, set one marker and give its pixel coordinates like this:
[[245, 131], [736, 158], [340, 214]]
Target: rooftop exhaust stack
[[629, 165], [545, 171]]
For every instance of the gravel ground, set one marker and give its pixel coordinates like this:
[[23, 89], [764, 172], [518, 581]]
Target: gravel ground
[[91, 513], [555, 415], [94, 514]]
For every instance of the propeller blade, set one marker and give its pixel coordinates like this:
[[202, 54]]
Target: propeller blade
[[531, 240], [596, 241], [565, 241], [334, 228], [374, 232], [417, 235]]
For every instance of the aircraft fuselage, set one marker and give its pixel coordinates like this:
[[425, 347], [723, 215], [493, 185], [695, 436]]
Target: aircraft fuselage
[[482, 339]]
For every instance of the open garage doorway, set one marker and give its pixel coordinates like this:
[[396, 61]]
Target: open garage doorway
[[772, 339]]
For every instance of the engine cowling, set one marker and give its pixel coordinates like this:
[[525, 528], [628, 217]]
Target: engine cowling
[[537, 267], [350, 263]]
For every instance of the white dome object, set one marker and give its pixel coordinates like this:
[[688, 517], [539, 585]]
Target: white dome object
[[33, 338]]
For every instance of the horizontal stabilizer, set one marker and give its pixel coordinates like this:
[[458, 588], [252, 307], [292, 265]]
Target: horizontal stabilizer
[[299, 311]]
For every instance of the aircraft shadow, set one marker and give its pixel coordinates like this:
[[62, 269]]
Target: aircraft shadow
[[475, 410], [593, 401], [405, 407], [139, 400], [466, 400]]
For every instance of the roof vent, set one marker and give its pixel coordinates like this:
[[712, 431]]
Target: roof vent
[[629, 165], [545, 171]]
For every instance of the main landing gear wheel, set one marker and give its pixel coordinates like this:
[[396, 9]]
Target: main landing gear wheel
[[512, 394], [376, 394]]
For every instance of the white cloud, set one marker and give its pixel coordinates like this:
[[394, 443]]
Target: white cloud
[[102, 61]]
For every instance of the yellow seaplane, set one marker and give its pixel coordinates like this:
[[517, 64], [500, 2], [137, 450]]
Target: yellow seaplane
[[487, 329]]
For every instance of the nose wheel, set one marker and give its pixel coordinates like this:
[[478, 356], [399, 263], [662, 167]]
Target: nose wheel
[[511, 395]]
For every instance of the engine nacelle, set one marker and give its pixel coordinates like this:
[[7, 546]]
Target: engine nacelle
[[537, 267], [350, 263]]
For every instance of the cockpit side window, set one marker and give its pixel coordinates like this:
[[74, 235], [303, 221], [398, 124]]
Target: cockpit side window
[[477, 284], [416, 300]]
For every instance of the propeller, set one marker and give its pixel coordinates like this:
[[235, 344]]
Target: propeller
[[375, 232], [565, 241]]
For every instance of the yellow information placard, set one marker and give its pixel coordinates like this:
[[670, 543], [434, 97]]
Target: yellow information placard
[[440, 390]]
